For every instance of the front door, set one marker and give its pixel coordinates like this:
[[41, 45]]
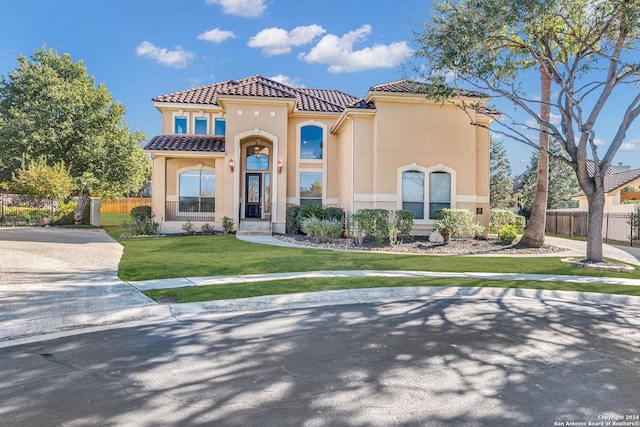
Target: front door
[[253, 195]]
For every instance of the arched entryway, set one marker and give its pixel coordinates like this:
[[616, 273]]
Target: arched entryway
[[256, 178]]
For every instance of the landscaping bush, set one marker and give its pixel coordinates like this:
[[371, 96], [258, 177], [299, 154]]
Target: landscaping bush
[[323, 230], [520, 223], [404, 222], [187, 227], [293, 220], [142, 213], [507, 234], [227, 224], [311, 211], [468, 227], [500, 218], [332, 213], [207, 228], [372, 223], [139, 227], [446, 224], [64, 213]]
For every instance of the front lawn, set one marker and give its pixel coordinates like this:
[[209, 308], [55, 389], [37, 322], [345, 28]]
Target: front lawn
[[214, 255]]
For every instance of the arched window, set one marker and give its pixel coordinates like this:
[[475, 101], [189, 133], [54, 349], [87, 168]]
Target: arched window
[[257, 158], [311, 142], [439, 192], [413, 193], [197, 191]]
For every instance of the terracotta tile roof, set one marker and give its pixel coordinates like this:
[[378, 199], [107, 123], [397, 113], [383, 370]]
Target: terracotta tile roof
[[411, 86], [306, 99], [613, 181], [201, 143]]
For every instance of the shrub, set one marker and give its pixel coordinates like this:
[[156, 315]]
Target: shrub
[[332, 213], [500, 218], [404, 222], [507, 234], [520, 223], [323, 230], [293, 220], [467, 223], [64, 213], [187, 227], [446, 224], [372, 223], [207, 228], [227, 225], [141, 212], [140, 227], [309, 211]]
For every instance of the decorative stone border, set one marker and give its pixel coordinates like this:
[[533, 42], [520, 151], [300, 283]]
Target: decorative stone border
[[603, 266]]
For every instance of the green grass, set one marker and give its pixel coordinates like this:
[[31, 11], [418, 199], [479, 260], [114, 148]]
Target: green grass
[[246, 290], [192, 256], [110, 219]]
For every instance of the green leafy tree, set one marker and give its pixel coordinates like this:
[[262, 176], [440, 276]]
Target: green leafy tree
[[39, 179], [563, 185], [50, 106], [500, 181], [587, 48]]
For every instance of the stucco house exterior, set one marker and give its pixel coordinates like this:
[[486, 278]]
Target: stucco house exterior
[[246, 149], [621, 191]]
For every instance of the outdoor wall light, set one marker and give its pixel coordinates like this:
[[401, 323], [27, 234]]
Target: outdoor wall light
[[231, 165], [280, 166]]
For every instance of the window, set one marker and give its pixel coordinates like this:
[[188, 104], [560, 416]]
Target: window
[[413, 193], [180, 125], [221, 127], [439, 192], [257, 158], [311, 142], [197, 191], [201, 126], [310, 188]]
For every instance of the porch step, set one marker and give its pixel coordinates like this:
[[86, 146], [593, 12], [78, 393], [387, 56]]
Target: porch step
[[254, 228]]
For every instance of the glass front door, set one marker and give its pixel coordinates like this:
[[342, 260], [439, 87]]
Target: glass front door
[[253, 195]]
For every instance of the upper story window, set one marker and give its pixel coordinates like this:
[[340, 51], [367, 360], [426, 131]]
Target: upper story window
[[257, 158], [180, 125], [201, 125], [439, 192], [311, 142], [413, 193], [220, 127]]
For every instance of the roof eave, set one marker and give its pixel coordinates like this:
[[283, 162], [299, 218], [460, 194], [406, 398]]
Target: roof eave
[[348, 115]]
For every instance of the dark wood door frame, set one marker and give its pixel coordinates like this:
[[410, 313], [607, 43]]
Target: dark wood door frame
[[253, 195]]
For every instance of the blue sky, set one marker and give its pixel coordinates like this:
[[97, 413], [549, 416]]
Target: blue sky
[[144, 48]]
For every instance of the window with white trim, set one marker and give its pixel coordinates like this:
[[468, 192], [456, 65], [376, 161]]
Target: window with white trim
[[201, 124], [310, 188], [311, 142], [413, 193], [220, 127], [439, 192], [180, 125]]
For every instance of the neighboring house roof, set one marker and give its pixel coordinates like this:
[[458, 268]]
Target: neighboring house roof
[[318, 100], [201, 143], [414, 87], [518, 182], [615, 181], [591, 169]]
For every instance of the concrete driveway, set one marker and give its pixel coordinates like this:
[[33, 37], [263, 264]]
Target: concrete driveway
[[52, 280]]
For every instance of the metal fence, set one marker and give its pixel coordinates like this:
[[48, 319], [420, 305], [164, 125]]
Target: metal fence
[[23, 210], [616, 227], [181, 211]]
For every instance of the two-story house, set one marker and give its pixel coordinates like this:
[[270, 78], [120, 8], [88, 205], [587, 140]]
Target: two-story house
[[246, 149]]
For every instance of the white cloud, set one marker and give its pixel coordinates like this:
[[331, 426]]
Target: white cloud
[[244, 8], [178, 58], [338, 53], [630, 145], [216, 35], [276, 41], [600, 142], [286, 80]]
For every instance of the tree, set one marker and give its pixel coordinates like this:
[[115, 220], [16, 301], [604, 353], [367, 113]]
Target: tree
[[39, 179], [50, 106], [563, 185], [500, 181], [588, 48]]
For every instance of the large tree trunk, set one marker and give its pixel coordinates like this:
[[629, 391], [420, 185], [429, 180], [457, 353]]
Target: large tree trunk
[[81, 205], [594, 225], [534, 234]]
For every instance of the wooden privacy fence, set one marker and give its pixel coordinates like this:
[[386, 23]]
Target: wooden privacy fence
[[123, 205], [616, 227]]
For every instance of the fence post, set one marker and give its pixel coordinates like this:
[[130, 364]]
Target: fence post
[[631, 238], [570, 224], [606, 233]]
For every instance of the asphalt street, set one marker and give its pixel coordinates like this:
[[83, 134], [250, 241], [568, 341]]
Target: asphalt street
[[449, 362]]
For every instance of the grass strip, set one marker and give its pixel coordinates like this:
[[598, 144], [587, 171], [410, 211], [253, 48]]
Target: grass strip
[[214, 255], [279, 287]]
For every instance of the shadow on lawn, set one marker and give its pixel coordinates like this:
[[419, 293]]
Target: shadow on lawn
[[443, 362]]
